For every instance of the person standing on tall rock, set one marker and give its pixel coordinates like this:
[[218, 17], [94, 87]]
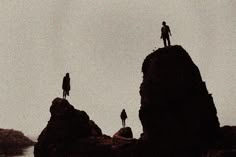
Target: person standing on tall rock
[[66, 85], [165, 32], [123, 117]]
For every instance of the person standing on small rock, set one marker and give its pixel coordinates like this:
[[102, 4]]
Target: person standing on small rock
[[66, 85], [165, 32], [123, 117]]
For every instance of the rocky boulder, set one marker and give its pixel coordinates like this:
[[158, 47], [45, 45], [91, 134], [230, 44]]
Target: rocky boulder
[[66, 126], [70, 132], [177, 112], [124, 135], [229, 137], [125, 132], [12, 142]]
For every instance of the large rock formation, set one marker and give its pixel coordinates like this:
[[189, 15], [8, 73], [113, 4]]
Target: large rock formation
[[70, 132], [177, 112], [66, 126]]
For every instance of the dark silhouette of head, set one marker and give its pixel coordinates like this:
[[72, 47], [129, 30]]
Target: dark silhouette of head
[[67, 74], [163, 23]]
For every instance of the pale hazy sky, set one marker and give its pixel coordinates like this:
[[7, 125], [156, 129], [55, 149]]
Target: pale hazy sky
[[102, 44]]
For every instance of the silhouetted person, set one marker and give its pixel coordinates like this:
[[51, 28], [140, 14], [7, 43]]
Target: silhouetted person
[[66, 85], [123, 117], [165, 32]]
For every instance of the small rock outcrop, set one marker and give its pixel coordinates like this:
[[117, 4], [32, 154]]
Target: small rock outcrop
[[12, 142], [125, 132], [177, 112], [124, 135], [66, 126]]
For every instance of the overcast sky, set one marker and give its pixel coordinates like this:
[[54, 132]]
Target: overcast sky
[[102, 44]]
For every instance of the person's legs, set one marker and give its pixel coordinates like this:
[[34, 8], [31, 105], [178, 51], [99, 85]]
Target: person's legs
[[164, 40], [64, 94], [168, 39]]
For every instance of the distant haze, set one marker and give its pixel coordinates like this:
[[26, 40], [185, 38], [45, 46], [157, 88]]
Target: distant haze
[[102, 44]]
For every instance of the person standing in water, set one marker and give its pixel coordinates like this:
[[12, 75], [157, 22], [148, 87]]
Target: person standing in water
[[66, 85], [165, 33]]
